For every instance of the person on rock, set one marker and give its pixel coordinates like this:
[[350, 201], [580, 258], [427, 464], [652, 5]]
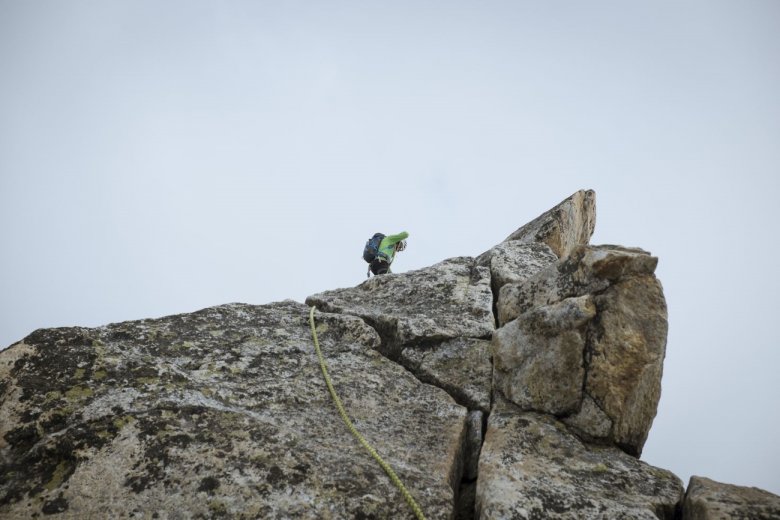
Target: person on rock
[[386, 251]]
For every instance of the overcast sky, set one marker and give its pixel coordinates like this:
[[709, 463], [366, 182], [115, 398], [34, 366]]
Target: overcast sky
[[161, 157]]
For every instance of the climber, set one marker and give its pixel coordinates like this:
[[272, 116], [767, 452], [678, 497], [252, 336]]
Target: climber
[[380, 251]]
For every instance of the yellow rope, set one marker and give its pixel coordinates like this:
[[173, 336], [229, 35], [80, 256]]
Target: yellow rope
[[385, 466]]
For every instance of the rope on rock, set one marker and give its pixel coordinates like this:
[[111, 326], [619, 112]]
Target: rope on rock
[[385, 466]]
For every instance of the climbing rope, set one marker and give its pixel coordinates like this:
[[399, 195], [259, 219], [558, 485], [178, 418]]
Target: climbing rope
[[385, 466]]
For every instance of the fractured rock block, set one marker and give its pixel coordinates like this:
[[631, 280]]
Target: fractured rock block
[[605, 371], [515, 262], [532, 467], [625, 357], [460, 366], [588, 270], [538, 358]]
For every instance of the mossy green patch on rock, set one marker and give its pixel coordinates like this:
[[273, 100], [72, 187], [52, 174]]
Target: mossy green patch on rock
[[218, 508], [58, 477], [45, 454], [54, 395], [321, 328], [79, 392], [121, 422]]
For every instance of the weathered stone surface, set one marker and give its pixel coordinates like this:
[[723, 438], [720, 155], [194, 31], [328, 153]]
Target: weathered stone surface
[[531, 467], [222, 412], [460, 366], [448, 300], [589, 269], [539, 357], [515, 262], [564, 227], [607, 364], [710, 500]]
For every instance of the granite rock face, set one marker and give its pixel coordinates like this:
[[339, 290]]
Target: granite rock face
[[222, 412], [585, 339], [710, 500], [532, 467], [520, 384], [449, 300]]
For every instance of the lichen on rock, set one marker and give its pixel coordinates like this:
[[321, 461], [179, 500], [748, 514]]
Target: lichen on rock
[[220, 412]]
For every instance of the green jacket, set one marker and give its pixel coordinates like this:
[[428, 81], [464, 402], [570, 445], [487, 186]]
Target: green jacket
[[387, 246]]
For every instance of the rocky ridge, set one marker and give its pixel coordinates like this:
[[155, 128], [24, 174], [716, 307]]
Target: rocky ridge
[[518, 384]]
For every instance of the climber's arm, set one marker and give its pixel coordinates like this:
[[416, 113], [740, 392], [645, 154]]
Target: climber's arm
[[391, 240]]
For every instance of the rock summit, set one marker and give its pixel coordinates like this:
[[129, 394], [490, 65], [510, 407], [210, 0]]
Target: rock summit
[[517, 384]]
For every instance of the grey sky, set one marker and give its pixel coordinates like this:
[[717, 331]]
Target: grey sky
[[160, 157]]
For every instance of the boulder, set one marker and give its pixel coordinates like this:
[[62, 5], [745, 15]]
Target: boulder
[[221, 412], [710, 500], [597, 321], [532, 467], [460, 366], [448, 300]]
